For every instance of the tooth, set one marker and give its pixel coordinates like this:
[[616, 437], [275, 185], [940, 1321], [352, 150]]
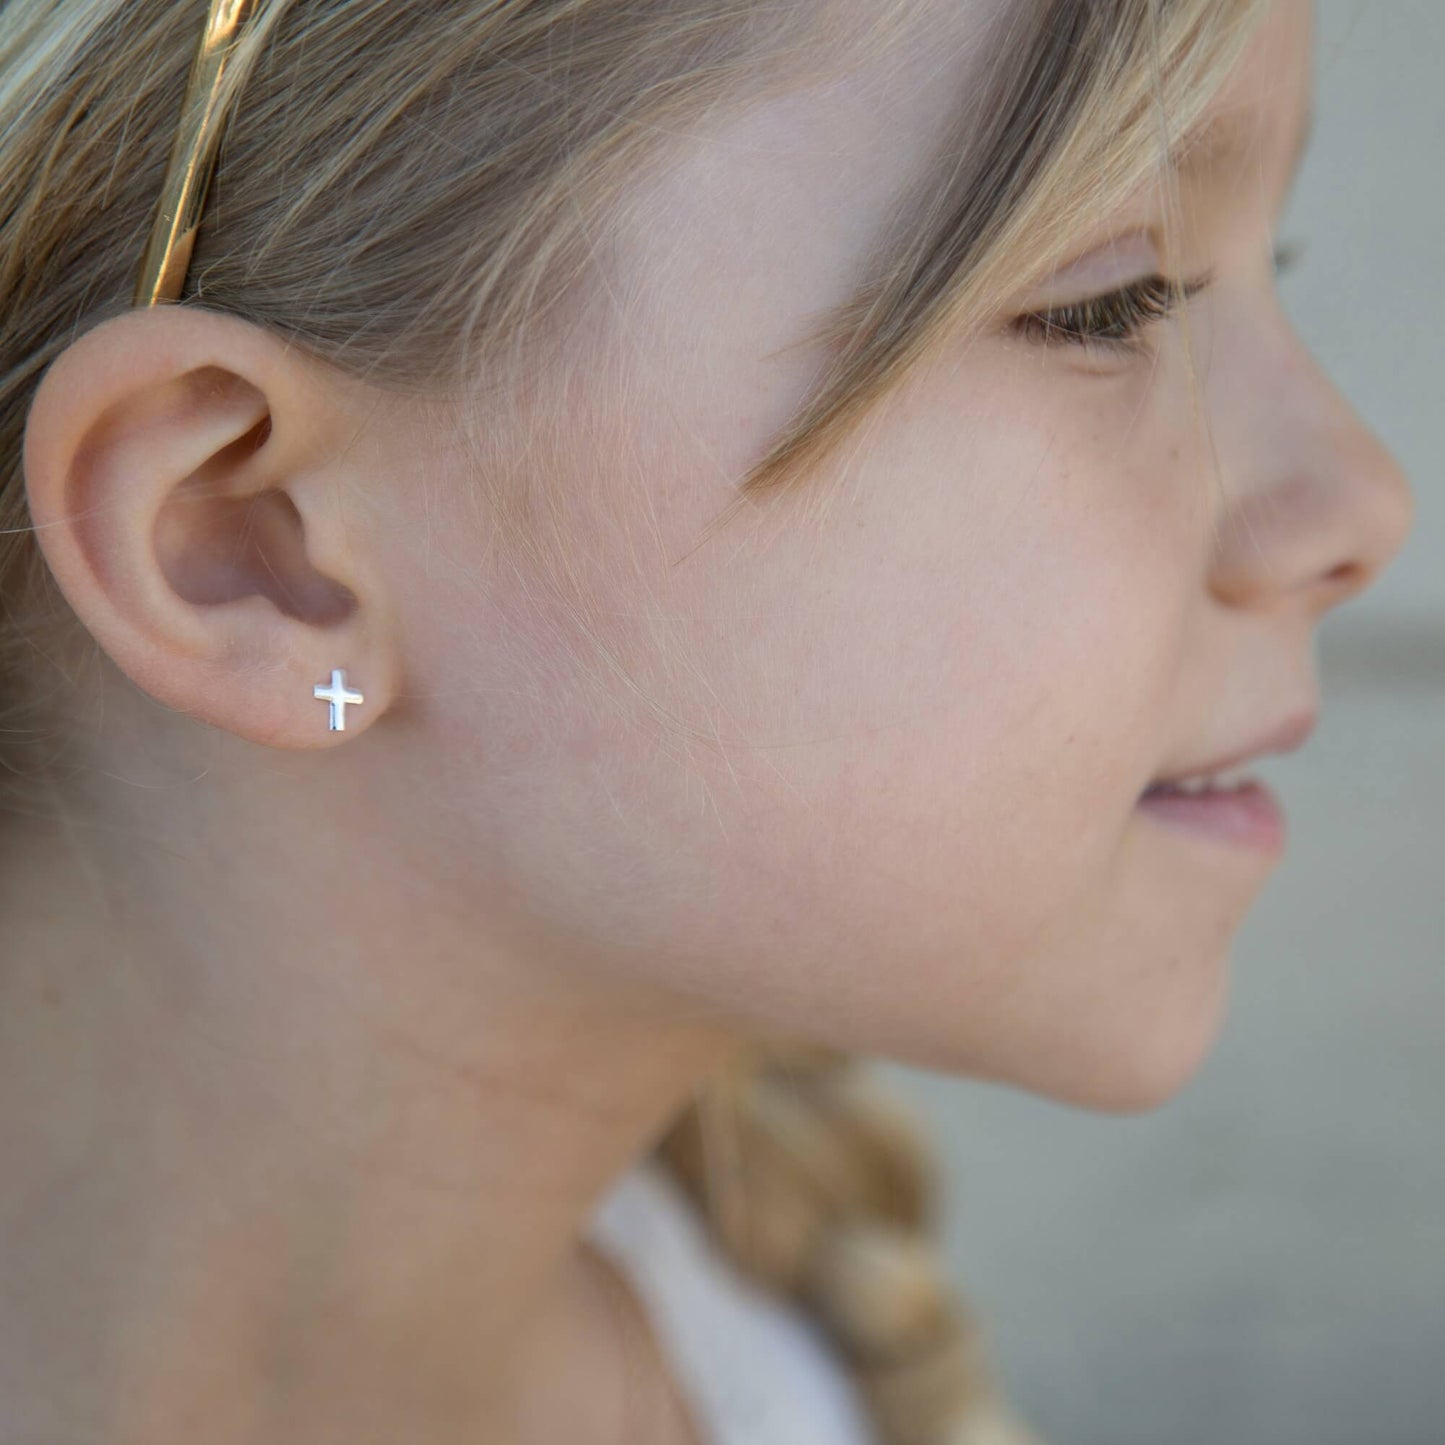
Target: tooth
[[1202, 783]]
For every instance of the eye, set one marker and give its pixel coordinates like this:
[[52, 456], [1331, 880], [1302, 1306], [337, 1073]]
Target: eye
[[1116, 320]]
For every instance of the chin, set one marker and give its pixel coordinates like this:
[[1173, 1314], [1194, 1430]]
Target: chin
[[1147, 1070], [1132, 1075], [1139, 1092], [1129, 1060]]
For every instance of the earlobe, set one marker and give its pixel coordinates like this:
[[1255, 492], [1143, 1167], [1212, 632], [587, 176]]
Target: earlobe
[[183, 473]]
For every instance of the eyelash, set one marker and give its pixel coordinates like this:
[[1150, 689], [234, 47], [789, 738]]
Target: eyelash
[[1115, 321], [1118, 319]]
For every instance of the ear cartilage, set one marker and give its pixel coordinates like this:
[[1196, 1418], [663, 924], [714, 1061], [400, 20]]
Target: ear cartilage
[[338, 695]]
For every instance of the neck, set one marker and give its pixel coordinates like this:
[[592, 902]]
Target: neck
[[293, 1151]]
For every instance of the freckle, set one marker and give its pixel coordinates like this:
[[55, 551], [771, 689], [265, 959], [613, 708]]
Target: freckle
[[51, 994]]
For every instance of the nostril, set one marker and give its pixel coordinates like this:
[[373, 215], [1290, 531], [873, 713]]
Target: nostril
[[1345, 580]]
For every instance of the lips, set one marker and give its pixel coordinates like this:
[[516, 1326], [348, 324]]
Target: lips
[[1249, 816], [1285, 737]]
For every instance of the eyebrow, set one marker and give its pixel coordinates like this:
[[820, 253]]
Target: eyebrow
[[1227, 140]]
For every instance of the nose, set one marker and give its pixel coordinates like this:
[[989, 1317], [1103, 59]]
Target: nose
[[1326, 506]]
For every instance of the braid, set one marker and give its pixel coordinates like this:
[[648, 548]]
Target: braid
[[820, 1185]]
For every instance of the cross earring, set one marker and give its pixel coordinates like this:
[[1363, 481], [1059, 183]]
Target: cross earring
[[338, 695]]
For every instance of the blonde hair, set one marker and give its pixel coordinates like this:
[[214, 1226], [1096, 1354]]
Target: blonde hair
[[415, 195]]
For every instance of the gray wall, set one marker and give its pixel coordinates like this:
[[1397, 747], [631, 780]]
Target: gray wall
[[1368, 296], [1262, 1260]]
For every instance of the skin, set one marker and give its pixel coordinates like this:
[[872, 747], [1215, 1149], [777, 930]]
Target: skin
[[340, 1036]]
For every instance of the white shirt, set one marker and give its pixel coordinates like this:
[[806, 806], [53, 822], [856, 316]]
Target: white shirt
[[754, 1369]]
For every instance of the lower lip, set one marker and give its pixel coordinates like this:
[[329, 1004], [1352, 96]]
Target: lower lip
[[1248, 817]]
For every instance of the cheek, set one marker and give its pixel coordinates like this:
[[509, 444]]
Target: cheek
[[954, 722], [864, 769], [886, 748]]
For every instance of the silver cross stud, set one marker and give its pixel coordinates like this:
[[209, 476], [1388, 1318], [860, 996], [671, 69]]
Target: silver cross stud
[[338, 695]]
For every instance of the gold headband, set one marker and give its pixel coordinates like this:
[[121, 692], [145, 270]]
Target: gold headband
[[193, 158]]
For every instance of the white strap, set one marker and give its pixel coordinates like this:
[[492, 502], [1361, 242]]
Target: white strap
[[755, 1370]]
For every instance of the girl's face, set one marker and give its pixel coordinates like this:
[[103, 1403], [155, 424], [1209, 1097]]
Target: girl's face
[[865, 765]]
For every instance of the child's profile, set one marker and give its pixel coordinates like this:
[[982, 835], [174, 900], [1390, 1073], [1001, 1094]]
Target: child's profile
[[642, 549]]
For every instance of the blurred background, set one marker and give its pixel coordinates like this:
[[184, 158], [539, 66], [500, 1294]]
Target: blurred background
[[1262, 1260]]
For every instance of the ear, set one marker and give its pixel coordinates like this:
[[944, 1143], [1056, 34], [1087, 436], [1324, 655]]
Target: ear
[[189, 480]]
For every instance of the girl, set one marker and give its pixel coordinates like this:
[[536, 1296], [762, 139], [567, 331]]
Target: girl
[[643, 548]]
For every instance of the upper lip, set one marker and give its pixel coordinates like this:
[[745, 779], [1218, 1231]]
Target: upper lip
[[1285, 737]]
